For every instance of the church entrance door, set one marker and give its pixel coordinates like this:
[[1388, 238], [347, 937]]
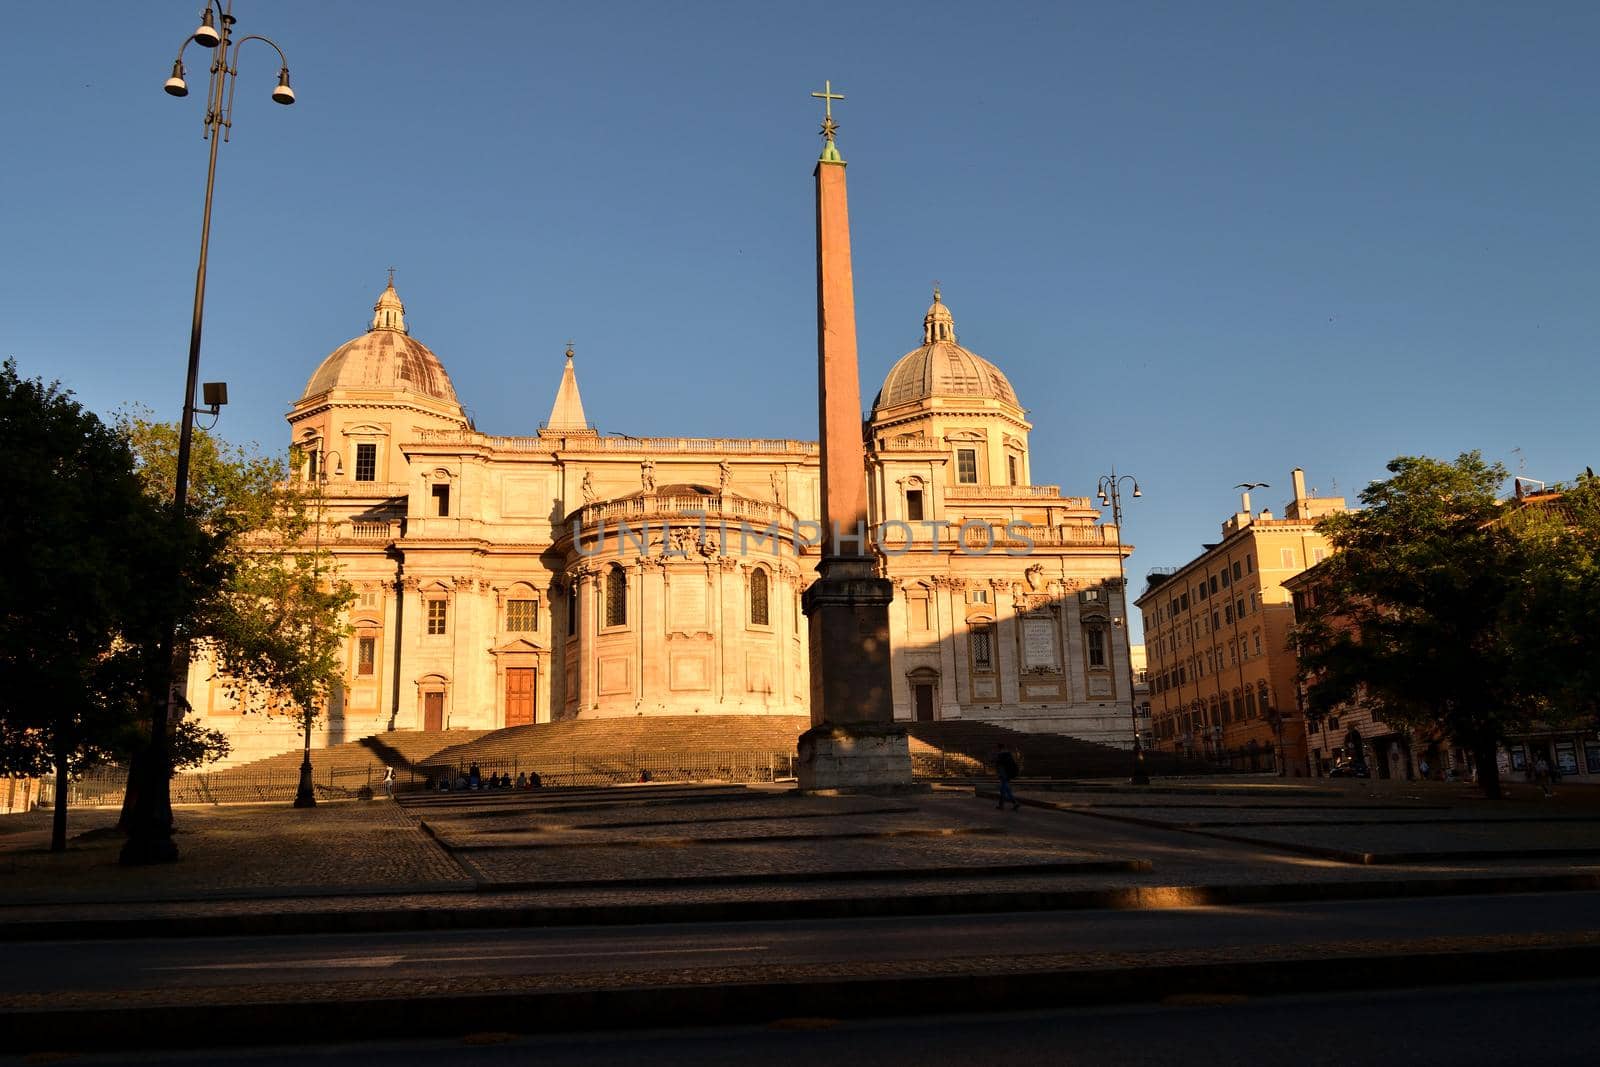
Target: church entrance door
[[924, 695], [519, 696], [433, 711]]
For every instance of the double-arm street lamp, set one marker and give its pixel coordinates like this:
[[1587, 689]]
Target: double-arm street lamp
[[1110, 492], [150, 827]]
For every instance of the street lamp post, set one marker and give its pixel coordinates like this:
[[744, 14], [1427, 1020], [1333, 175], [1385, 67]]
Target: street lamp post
[[150, 827], [305, 795], [1110, 492]]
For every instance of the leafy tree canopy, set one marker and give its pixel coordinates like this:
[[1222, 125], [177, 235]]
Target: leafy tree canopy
[[1446, 606]]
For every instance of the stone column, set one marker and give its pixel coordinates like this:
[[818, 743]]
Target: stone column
[[854, 743]]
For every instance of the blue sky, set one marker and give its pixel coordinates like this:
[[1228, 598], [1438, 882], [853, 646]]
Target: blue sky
[[1208, 242]]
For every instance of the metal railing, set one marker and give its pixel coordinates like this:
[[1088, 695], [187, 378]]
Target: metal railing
[[105, 786]]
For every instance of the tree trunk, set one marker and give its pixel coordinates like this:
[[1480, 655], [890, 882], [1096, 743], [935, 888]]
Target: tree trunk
[[1483, 753], [130, 794], [58, 825]]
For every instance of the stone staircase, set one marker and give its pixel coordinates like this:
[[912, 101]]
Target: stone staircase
[[945, 747], [340, 770], [590, 752], [673, 748]]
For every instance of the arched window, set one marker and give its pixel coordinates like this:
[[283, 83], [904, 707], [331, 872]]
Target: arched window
[[758, 597], [1261, 697], [982, 641], [1249, 702], [1238, 706], [616, 597], [1095, 638]]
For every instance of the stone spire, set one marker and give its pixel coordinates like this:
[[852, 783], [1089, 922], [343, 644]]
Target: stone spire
[[937, 324], [854, 742], [388, 313], [566, 415]]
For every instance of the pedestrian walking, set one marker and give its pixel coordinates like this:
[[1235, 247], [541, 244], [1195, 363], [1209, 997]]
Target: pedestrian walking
[[1422, 768], [388, 782], [1541, 775], [1005, 766]]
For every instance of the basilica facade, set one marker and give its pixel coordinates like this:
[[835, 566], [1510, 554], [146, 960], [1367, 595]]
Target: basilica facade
[[567, 574]]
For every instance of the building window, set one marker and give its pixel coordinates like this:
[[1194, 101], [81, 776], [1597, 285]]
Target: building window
[[1286, 557], [758, 597], [1249, 565], [1228, 613], [914, 505], [438, 616], [366, 655], [978, 596], [967, 466], [1319, 554], [441, 501], [522, 616], [1224, 577], [1236, 571], [1258, 642], [1261, 696], [366, 462], [917, 606], [982, 649], [616, 597], [1011, 470], [1095, 636]]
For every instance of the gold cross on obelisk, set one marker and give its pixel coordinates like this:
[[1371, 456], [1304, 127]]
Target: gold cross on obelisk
[[828, 96]]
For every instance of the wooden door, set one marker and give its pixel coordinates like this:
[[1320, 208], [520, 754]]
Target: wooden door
[[519, 696], [433, 711], [924, 703]]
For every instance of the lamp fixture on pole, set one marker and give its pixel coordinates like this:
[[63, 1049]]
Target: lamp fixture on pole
[[150, 822], [1109, 490]]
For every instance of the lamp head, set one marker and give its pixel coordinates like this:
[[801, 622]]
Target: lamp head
[[206, 36], [176, 86], [283, 94], [1136, 493]]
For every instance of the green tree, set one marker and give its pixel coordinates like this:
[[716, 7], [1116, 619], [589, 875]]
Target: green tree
[[1441, 605], [87, 552], [274, 627], [1555, 613]]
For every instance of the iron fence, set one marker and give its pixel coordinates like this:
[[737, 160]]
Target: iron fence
[[105, 786]]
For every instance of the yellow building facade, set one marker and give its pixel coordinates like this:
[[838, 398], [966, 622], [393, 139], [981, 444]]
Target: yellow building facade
[[1220, 666]]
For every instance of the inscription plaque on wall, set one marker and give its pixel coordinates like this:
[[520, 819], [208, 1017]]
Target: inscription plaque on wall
[[688, 602], [1039, 644]]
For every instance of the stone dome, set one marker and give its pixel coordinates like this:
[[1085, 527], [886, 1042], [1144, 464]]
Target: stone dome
[[385, 357], [942, 368]]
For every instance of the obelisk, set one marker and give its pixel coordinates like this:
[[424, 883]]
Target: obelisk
[[854, 744]]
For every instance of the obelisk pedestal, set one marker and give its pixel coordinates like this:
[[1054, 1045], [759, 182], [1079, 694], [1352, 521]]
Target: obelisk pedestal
[[854, 744]]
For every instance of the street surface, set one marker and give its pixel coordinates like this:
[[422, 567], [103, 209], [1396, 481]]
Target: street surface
[[1549, 1024], [125, 965]]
